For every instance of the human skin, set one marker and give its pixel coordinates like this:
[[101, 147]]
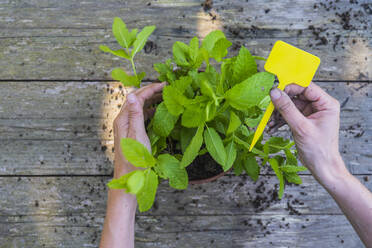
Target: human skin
[[118, 229], [313, 117]]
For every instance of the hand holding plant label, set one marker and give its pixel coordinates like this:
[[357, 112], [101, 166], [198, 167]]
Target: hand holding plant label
[[205, 108]]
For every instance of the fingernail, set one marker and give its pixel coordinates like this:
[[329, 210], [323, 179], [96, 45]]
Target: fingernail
[[275, 94], [131, 98]]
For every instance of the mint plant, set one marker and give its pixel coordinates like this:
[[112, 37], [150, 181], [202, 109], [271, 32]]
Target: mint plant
[[207, 108]]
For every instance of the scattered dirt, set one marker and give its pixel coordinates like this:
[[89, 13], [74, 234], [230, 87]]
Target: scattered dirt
[[207, 5]]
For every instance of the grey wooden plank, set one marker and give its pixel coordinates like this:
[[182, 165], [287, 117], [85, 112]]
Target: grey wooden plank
[[63, 38], [49, 128], [83, 230], [230, 195]]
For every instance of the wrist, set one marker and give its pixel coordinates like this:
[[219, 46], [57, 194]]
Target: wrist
[[334, 173]]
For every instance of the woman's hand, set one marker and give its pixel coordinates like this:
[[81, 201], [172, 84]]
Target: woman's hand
[[130, 122], [313, 117]]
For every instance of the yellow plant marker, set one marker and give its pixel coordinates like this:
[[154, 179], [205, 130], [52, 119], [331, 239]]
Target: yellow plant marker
[[291, 65]]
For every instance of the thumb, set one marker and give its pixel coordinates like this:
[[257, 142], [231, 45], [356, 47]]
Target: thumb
[[287, 108], [136, 124]]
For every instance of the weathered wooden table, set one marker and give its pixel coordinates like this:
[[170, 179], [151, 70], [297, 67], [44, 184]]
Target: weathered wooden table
[[57, 104]]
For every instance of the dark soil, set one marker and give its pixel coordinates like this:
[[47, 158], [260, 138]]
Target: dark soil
[[203, 167]]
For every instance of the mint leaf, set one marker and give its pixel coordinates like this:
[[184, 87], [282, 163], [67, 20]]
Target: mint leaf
[[193, 116], [174, 100], [220, 49], [231, 156], [244, 66], [119, 183], [275, 166], [120, 53], [293, 178], [121, 33], [131, 182], [292, 168], [251, 91], [163, 120], [214, 145], [211, 39], [171, 169], [165, 71], [127, 80], [251, 166], [193, 148], [238, 166], [182, 83], [135, 182], [186, 136], [275, 144], [136, 153], [291, 159], [180, 53], [146, 196], [141, 39], [234, 122]]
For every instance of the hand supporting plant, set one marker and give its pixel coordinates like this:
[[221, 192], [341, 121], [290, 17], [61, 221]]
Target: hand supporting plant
[[204, 109]]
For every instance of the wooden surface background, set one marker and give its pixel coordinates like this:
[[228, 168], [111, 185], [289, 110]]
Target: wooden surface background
[[57, 103]]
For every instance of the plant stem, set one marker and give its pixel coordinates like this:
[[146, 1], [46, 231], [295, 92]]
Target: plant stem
[[134, 67]]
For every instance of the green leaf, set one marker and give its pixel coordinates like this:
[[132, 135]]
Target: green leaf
[[171, 169], [211, 39], [275, 166], [135, 182], [234, 122], [121, 33], [136, 153], [186, 136], [251, 166], [193, 116], [210, 111], [141, 39], [131, 182], [292, 168], [120, 53], [174, 100], [146, 196], [207, 90], [291, 159], [238, 166], [293, 178], [259, 58], [275, 144], [244, 66], [163, 121], [193, 148], [165, 71], [180, 53], [231, 156], [214, 145], [264, 102], [119, 183], [251, 91], [182, 83], [194, 49], [127, 80], [220, 49]]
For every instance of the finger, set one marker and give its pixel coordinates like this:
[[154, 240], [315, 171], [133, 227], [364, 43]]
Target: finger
[[294, 89], [136, 127], [319, 98], [156, 98], [287, 108], [148, 113], [148, 91]]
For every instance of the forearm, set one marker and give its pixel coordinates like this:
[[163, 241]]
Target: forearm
[[354, 199], [118, 230]]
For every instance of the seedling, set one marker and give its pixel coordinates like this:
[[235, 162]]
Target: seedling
[[212, 104]]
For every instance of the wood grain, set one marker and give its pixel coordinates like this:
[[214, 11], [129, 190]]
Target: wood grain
[[56, 128], [52, 40]]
